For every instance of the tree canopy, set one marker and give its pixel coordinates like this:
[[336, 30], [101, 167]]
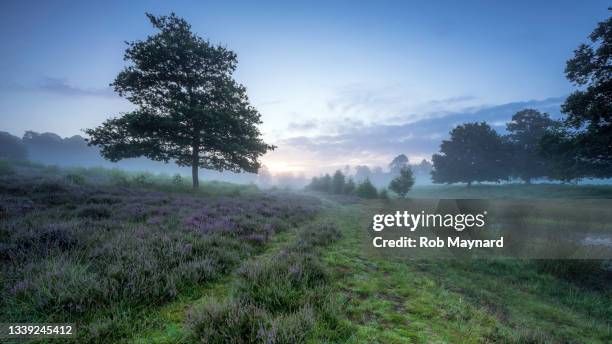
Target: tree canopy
[[474, 153], [525, 132], [586, 139], [402, 183], [190, 110]]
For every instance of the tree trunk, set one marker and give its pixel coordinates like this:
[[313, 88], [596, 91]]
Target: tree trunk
[[194, 167]]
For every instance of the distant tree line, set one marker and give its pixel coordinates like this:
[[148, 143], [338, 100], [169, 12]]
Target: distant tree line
[[574, 147], [340, 184]]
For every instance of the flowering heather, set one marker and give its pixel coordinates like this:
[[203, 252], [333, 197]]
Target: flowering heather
[[69, 250]]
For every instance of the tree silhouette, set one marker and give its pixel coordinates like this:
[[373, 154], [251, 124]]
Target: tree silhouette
[[337, 184], [398, 163], [189, 108], [11, 147], [365, 189], [587, 134], [474, 153], [402, 183], [526, 130]]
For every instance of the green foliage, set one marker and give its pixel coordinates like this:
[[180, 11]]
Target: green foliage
[[204, 119], [337, 183], [398, 163], [402, 183], [365, 189], [349, 187], [383, 194], [474, 153], [525, 133], [587, 133], [322, 184]]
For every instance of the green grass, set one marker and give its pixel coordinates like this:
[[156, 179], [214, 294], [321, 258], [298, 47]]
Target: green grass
[[512, 191], [398, 300], [356, 296]]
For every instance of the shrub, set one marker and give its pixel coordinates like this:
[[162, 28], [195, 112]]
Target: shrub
[[281, 284], [365, 189], [229, 322]]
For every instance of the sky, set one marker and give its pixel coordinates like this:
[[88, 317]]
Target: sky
[[336, 82]]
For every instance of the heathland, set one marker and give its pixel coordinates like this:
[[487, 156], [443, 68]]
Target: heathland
[[143, 258]]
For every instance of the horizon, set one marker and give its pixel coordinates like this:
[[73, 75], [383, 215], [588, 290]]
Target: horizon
[[331, 81]]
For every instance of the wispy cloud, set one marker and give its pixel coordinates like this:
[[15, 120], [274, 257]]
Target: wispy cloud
[[303, 125], [60, 86], [376, 144]]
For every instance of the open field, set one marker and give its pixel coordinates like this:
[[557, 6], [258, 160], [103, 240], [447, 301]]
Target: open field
[[142, 259], [571, 191]]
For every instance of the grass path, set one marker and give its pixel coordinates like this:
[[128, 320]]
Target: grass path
[[166, 325]]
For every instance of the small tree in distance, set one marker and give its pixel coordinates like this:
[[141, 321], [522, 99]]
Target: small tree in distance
[[337, 184], [190, 110], [402, 183], [365, 189], [349, 187]]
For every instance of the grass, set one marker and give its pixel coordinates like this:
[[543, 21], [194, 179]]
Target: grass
[[143, 259], [399, 300], [513, 191], [106, 257]]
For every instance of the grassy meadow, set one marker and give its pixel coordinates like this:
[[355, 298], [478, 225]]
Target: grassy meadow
[[141, 258]]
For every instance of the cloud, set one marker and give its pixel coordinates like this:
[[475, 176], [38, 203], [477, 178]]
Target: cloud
[[60, 86], [376, 144], [305, 125], [393, 103]]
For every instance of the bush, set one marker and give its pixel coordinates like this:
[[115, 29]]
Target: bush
[[229, 322], [281, 284], [365, 189], [237, 322]]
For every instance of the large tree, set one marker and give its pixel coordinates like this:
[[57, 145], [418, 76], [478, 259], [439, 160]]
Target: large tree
[[586, 141], [525, 132], [190, 110], [474, 153]]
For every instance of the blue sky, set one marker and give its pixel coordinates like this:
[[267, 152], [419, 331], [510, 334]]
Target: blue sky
[[337, 82]]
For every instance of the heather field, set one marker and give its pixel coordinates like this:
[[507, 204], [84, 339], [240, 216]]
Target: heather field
[[102, 254], [140, 258]]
